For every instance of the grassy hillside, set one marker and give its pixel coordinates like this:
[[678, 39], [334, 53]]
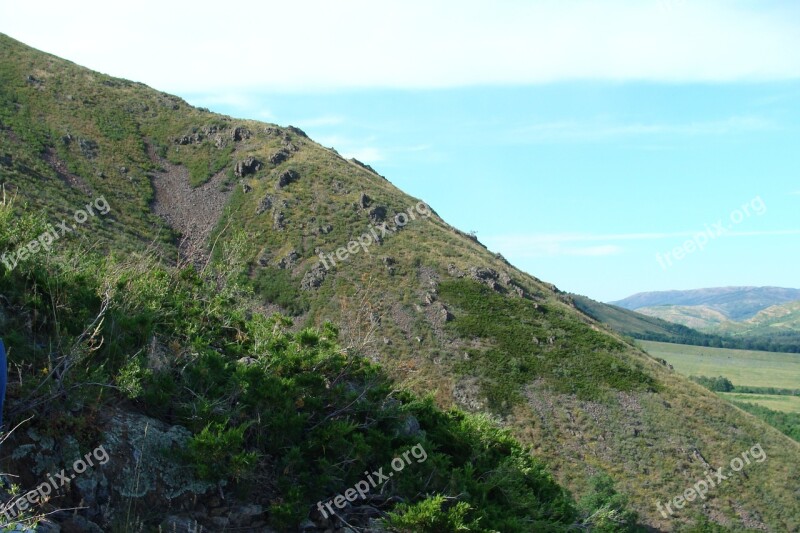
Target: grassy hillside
[[770, 330], [700, 317], [641, 326], [764, 384], [232, 216]]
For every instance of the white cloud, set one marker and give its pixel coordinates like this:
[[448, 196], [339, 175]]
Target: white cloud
[[324, 120], [366, 154], [601, 130], [521, 246], [795, 193], [310, 45]]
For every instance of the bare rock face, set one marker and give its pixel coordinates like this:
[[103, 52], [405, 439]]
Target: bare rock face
[[248, 166], [289, 260], [297, 131], [278, 220], [364, 201], [377, 214], [313, 278], [286, 178], [135, 460], [265, 204], [279, 157], [240, 133], [487, 276]]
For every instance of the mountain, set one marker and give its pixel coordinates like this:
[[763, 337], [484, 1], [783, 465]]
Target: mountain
[[146, 325], [734, 303], [761, 318]]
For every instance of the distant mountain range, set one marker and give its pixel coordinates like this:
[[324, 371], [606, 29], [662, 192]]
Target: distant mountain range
[[731, 303], [760, 317]]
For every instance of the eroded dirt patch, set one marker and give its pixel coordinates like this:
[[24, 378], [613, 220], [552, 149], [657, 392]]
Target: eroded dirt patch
[[191, 211]]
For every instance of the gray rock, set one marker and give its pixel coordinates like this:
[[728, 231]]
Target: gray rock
[[88, 148], [377, 214], [289, 260], [286, 178], [313, 278], [265, 205], [279, 157], [277, 220], [240, 133], [297, 131], [247, 166]]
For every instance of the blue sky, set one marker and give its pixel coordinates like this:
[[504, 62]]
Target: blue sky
[[578, 139]]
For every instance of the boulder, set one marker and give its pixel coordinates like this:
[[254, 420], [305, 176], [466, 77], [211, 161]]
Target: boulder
[[377, 214], [287, 177], [279, 157], [247, 166], [240, 133], [265, 204], [313, 278], [297, 131]]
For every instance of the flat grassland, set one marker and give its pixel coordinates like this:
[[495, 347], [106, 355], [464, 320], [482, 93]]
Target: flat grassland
[[741, 367]]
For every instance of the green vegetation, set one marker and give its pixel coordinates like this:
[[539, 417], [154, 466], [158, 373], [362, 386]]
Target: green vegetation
[[654, 328], [260, 401], [717, 384], [765, 373], [776, 402], [529, 341], [741, 367], [281, 415], [276, 286], [787, 423]]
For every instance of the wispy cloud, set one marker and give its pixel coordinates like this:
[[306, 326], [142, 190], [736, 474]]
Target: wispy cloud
[[598, 131], [322, 121], [795, 193], [368, 149], [368, 44], [580, 244]]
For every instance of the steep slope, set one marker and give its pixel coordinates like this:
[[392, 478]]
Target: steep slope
[[439, 311], [642, 326]]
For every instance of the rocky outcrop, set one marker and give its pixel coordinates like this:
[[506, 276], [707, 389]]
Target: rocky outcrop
[[240, 133], [286, 178], [313, 278], [297, 131], [277, 220], [289, 260], [247, 166], [265, 204], [279, 157], [135, 465], [377, 214], [88, 148]]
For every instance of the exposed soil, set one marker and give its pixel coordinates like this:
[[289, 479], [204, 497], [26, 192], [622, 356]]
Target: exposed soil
[[191, 211]]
